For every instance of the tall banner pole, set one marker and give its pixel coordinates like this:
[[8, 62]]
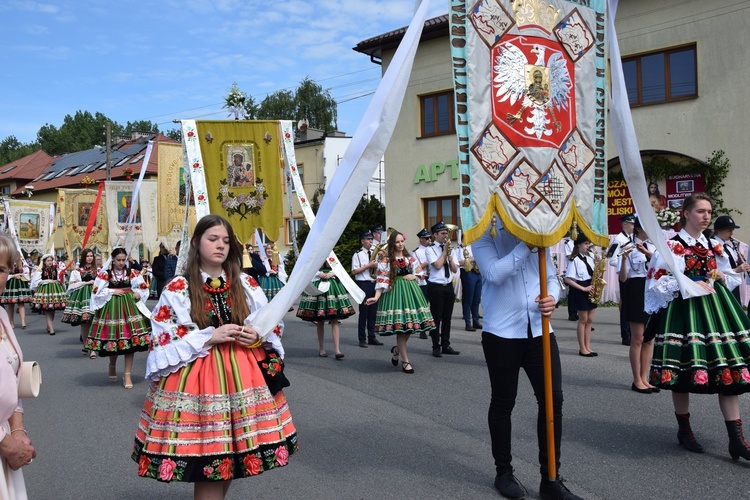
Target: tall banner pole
[[547, 360], [530, 93]]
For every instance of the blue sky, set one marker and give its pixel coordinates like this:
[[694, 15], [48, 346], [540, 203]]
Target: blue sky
[[177, 59]]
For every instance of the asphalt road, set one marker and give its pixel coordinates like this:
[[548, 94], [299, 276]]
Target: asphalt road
[[369, 431]]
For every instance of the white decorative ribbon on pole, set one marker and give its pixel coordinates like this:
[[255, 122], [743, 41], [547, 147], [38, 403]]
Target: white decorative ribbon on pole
[[338, 269], [130, 221], [353, 174], [630, 158], [193, 161]]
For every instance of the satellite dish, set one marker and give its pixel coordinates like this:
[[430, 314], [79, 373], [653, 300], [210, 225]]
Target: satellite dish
[[302, 125]]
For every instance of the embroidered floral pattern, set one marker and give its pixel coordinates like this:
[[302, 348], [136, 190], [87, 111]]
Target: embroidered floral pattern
[[244, 203], [163, 469]]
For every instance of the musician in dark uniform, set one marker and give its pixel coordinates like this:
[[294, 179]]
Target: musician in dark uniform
[[724, 227]]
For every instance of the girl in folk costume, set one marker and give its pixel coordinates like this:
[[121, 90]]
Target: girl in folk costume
[[578, 277], [49, 293], [118, 327], [402, 309], [78, 311], [17, 292], [212, 414], [702, 343], [332, 305], [275, 277]]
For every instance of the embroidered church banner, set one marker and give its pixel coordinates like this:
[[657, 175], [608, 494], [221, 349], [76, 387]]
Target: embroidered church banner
[[119, 196], [77, 207], [149, 206], [33, 222], [529, 78], [173, 195], [236, 172]]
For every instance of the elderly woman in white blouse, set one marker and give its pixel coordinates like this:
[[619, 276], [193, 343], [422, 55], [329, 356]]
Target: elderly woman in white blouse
[[16, 449]]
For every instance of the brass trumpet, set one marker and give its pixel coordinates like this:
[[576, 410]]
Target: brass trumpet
[[380, 250], [452, 228]]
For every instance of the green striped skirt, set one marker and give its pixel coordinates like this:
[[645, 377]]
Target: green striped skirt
[[78, 309], [334, 304], [119, 328], [403, 309], [703, 345], [16, 292], [271, 284], [49, 297]]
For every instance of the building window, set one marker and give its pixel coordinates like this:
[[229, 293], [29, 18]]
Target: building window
[[5, 190], [436, 115], [658, 77], [298, 225], [440, 209]]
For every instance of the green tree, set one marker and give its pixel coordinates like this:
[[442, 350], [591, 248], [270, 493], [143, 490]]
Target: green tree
[[316, 106], [141, 126], [309, 101], [79, 132], [11, 149], [370, 212], [279, 105], [175, 134]]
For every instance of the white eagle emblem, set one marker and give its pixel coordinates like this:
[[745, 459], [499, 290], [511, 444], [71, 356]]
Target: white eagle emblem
[[541, 86]]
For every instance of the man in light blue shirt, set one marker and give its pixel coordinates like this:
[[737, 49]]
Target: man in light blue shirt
[[511, 340]]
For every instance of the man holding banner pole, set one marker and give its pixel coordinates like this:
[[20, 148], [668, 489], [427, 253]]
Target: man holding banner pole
[[529, 78], [511, 340]]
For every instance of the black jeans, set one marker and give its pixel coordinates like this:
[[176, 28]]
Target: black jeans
[[505, 358], [442, 299], [367, 314]]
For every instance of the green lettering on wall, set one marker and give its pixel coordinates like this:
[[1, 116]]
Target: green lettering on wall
[[421, 175], [453, 164], [436, 169]]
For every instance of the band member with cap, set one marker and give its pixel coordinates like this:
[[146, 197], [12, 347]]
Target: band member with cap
[[569, 244], [363, 269], [420, 253], [724, 227], [622, 242], [377, 235], [440, 290]]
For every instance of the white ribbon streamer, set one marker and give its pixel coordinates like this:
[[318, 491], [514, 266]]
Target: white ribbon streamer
[[630, 158], [291, 160], [353, 174]]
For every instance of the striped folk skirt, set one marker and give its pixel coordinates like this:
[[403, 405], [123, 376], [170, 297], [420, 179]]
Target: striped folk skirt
[[78, 309], [119, 328], [271, 285], [403, 309], [333, 304], [50, 296], [702, 345], [16, 292], [214, 420]]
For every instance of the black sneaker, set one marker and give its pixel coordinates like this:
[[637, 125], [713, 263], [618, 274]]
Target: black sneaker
[[509, 486], [555, 490]]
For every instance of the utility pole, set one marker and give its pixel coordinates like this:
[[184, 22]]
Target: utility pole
[[109, 136]]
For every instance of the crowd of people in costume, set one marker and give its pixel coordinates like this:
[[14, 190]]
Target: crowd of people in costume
[[216, 411]]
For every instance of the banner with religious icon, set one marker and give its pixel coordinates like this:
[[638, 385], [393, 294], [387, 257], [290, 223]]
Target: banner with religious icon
[[119, 196], [173, 195], [235, 169], [32, 224], [529, 79], [77, 206], [149, 206]]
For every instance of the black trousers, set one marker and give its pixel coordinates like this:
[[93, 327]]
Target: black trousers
[[442, 299], [366, 323], [505, 358]]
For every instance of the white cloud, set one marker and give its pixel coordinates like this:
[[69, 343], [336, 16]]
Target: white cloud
[[44, 8]]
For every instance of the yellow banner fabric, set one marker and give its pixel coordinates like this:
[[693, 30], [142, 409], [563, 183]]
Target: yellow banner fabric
[[242, 163]]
